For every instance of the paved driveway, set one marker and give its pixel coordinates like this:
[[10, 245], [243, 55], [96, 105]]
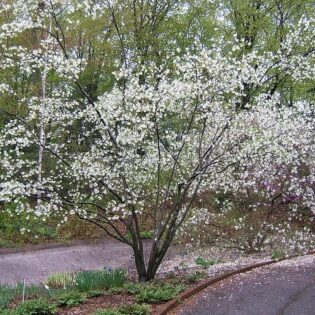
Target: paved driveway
[[287, 288], [35, 265]]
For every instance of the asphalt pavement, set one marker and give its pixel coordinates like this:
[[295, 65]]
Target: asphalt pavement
[[287, 288], [35, 265]]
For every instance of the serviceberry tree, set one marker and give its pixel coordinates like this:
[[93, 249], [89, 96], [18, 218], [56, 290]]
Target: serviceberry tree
[[154, 143]]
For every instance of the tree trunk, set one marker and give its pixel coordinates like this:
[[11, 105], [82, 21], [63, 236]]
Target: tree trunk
[[148, 273], [140, 263], [42, 135]]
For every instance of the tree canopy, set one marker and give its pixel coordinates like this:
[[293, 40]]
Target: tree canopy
[[114, 110]]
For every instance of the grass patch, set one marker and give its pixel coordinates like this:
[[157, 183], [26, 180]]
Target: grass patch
[[61, 280], [99, 280], [85, 281], [9, 293]]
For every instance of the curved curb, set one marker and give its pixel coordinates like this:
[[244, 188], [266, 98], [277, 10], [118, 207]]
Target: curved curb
[[167, 307]]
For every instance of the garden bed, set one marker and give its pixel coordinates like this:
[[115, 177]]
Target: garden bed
[[112, 292], [101, 302]]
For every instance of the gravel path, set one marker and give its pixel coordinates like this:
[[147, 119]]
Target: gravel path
[[286, 288]]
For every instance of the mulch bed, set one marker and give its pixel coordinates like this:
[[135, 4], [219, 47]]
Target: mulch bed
[[101, 302]]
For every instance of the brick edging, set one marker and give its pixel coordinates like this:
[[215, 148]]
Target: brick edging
[[203, 285]]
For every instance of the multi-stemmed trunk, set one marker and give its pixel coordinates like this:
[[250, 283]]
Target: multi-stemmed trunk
[[147, 267]]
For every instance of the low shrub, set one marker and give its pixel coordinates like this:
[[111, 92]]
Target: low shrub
[[205, 263], [194, 277], [146, 234], [143, 235], [133, 288], [278, 254], [70, 299], [134, 309], [36, 231], [113, 291], [110, 311], [94, 293], [35, 307], [154, 293]]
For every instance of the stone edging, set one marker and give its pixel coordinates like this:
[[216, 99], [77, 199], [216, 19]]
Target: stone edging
[[165, 308]]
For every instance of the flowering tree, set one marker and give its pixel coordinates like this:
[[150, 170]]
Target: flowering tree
[[150, 146], [266, 202]]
